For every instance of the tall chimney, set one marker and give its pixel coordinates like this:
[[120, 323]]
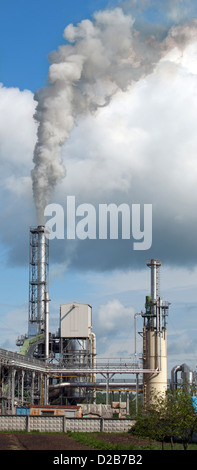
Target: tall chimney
[[38, 279], [154, 340]]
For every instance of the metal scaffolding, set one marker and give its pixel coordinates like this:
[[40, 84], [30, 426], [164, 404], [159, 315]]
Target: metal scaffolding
[[38, 279], [20, 375]]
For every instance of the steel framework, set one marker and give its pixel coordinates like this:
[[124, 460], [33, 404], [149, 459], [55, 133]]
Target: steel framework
[[15, 367], [38, 279]]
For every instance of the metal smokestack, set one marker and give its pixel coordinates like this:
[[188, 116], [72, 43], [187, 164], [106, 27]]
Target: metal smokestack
[[154, 264], [41, 275], [154, 340], [38, 279]]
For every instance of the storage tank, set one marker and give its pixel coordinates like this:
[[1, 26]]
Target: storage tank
[[154, 358]]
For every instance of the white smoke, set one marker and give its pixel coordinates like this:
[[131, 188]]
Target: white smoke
[[100, 57]]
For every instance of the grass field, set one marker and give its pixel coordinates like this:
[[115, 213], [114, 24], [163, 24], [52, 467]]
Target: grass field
[[82, 441], [122, 441]]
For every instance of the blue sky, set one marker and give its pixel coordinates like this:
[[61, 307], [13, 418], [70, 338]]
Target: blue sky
[[139, 148], [29, 31]]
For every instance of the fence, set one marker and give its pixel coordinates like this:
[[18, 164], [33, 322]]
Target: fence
[[63, 424]]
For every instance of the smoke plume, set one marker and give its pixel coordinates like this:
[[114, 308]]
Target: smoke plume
[[99, 58]]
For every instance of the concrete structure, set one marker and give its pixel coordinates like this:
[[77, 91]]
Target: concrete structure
[[63, 424]]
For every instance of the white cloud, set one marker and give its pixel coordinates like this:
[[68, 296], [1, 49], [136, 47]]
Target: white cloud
[[17, 137], [142, 144], [18, 186], [113, 323], [140, 148], [17, 130], [113, 316], [12, 325]]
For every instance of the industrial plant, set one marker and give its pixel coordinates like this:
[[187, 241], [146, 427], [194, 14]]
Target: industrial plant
[[55, 370]]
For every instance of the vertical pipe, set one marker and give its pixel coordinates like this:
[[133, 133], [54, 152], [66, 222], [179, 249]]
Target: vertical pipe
[[154, 291], [160, 330], [46, 303], [137, 392], [135, 333], [46, 389], [40, 388], [9, 395], [32, 387], [135, 338], [93, 362], [154, 264], [3, 408], [22, 387], [107, 389], [43, 389], [2, 388], [127, 402], [13, 372], [153, 280]]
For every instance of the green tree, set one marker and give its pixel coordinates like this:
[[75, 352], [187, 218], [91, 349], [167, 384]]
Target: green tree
[[169, 416], [153, 424], [183, 415]]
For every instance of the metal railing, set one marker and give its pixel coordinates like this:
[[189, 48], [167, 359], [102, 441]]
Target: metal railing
[[101, 366]]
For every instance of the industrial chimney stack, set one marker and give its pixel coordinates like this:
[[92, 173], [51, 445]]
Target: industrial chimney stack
[[154, 339], [38, 280]]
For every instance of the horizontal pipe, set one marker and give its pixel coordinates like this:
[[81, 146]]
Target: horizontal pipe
[[93, 385]]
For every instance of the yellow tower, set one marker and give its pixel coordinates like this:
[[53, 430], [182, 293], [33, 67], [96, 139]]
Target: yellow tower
[[154, 340]]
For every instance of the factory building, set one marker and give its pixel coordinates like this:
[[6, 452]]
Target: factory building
[[61, 369], [75, 344]]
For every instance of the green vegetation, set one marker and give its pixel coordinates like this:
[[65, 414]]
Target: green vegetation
[[99, 442], [172, 417], [92, 440], [169, 423]]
